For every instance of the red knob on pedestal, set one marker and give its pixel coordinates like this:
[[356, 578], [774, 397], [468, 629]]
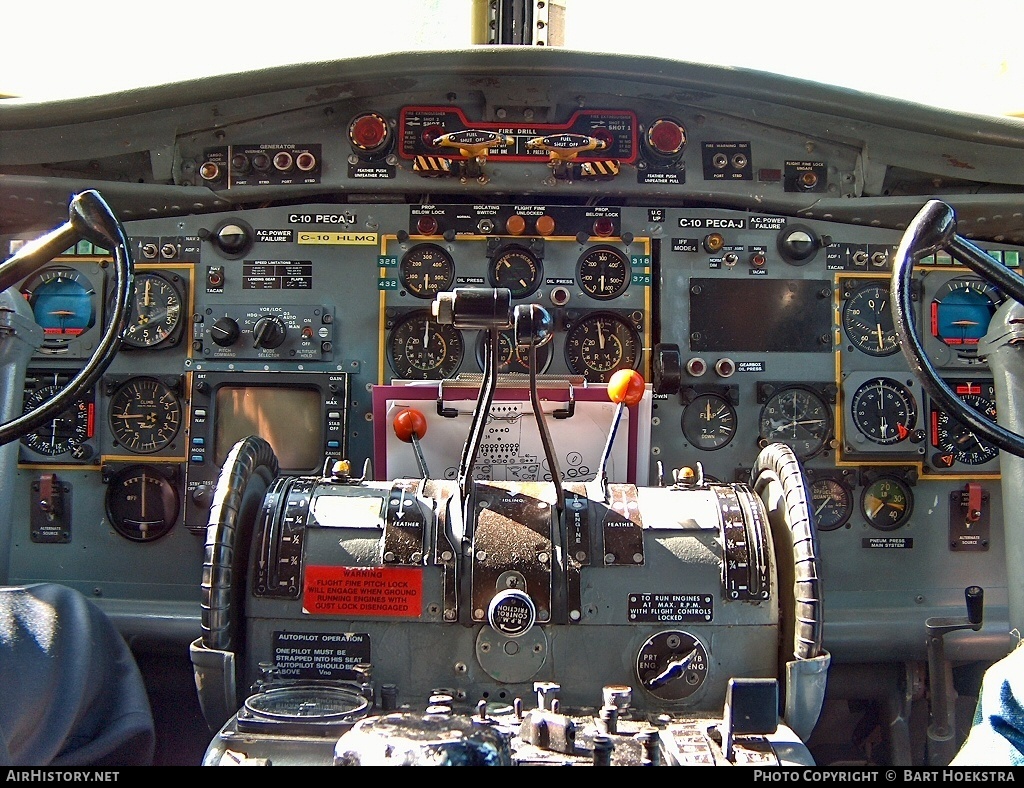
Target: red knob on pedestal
[[410, 423]]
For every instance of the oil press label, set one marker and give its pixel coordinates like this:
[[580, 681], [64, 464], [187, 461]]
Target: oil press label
[[671, 608], [320, 655], [380, 592]]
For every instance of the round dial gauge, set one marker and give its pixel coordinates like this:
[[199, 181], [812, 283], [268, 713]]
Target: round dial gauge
[[156, 311], [599, 344], [427, 270], [798, 417], [961, 311], [420, 348], [868, 322], [142, 504], [518, 269], [832, 502], [957, 443], [672, 665], [145, 415], [886, 503], [63, 303], [709, 422], [603, 272], [307, 703], [884, 411], [512, 357], [68, 430]]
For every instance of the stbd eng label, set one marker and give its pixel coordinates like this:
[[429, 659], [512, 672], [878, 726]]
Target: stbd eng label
[[379, 592]]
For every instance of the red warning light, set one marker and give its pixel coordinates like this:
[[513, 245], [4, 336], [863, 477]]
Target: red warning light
[[369, 132], [666, 137]]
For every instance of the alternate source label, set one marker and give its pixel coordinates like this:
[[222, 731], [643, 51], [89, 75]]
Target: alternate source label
[[380, 592]]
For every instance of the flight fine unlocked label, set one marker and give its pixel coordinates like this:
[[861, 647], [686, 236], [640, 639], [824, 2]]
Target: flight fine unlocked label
[[380, 592], [671, 608]]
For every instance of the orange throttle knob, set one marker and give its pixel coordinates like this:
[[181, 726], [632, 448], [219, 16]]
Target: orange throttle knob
[[626, 386], [409, 424]]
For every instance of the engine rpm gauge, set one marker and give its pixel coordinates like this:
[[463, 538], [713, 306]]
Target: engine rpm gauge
[[884, 411], [513, 358], [156, 312], [420, 348], [954, 441], [961, 311], [427, 270], [518, 269], [145, 415], [709, 422], [868, 322], [603, 272], [599, 344], [832, 502], [887, 503], [142, 504], [798, 417]]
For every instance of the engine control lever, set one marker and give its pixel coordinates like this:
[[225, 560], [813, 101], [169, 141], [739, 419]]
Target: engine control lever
[[626, 387], [410, 426], [941, 741]]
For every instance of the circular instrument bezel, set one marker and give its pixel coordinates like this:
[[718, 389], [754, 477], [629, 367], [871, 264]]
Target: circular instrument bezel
[[426, 270], [145, 332], [582, 345], [709, 422], [656, 657], [832, 498], [411, 328], [77, 419], [591, 276], [868, 322], [134, 510], [804, 411], [953, 440], [151, 430], [516, 268], [76, 294], [877, 399], [887, 494], [512, 358]]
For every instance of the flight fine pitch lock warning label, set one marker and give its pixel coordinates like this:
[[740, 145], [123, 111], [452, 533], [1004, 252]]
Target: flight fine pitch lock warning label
[[380, 592]]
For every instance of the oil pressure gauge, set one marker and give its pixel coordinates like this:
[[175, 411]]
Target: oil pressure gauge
[[427, 270], [603, 272]]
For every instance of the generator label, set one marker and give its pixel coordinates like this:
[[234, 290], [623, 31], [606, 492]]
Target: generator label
[[380, 592], [671, 608], [320, 655]]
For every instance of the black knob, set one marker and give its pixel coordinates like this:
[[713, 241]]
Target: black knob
[[975, 598], [232, 238], [225, 331], [269, 332]]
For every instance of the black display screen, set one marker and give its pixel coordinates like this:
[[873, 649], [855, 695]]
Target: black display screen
[[760, 315], [289, 419]]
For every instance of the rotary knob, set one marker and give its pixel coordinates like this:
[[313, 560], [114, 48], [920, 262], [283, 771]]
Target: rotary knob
[[225, 331], [269, 332]]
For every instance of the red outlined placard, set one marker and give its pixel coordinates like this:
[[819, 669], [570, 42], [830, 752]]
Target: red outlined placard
[[378, 591]]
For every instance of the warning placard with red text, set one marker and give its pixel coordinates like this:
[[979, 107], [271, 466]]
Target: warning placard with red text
[[363, 591]]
